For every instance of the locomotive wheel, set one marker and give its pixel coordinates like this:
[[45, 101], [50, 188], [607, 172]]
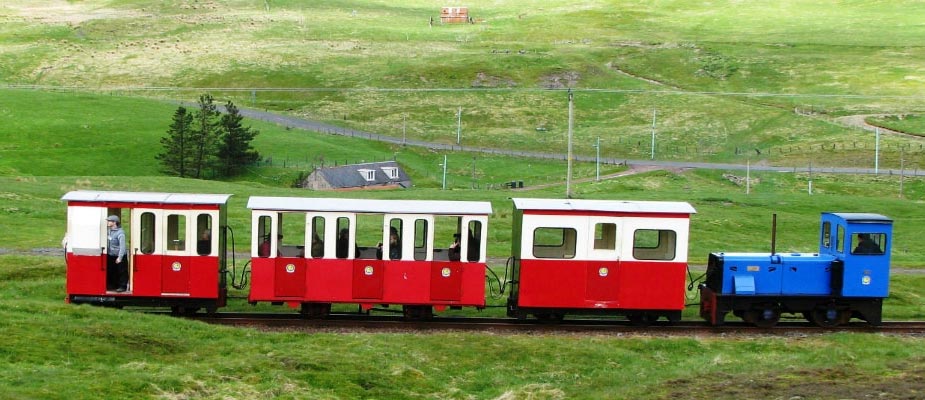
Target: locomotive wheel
[[762, 319], [826, 319]]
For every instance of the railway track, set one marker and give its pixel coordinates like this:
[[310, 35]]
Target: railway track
[[356, 322]]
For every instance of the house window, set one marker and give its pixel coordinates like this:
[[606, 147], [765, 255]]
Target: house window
[[390, 172], [368, 174]]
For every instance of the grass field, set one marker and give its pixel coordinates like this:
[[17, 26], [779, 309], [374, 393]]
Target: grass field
[[728, 81], [53, 350], [724, 78]]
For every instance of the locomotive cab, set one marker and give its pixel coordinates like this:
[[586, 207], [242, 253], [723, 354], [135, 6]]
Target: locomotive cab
[[847, 278]]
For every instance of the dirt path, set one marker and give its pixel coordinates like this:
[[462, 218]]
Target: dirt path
[[632, 170], [860, 121]]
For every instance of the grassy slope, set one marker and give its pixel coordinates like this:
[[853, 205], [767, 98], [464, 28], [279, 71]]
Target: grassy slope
[[829, 48], [53, 350], [36, 177]]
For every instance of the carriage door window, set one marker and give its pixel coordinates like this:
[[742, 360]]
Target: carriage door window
[[605, 236], [317, 244], [147, 233], [204, 234], [554, 242], [264, 230], [420, 239], [395, 246], [654, 244], [176, 232], [291, 239], [474, 249], [343, 238]]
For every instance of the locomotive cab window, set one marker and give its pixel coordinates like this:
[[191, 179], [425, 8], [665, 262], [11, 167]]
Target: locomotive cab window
[[868, 243], [840, 240], [654, 244], [827, 235], [554, 243]]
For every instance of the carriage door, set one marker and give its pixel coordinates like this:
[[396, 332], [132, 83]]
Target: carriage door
[[603, 260], [147, 252], [176, 263]]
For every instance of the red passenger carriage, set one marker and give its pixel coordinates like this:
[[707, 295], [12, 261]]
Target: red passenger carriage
[[598, 256], [422, 255], [175, 248]]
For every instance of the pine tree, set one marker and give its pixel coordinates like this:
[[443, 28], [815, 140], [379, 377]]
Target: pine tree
[[175, 157], [234, 148], [204, 135]]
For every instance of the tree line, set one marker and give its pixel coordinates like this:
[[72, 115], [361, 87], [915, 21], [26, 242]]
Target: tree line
[[207, 142]]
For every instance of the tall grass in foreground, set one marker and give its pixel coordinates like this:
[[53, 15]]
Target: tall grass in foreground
[[58, 351]]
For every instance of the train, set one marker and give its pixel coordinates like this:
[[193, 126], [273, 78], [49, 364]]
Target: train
[[618, 258]]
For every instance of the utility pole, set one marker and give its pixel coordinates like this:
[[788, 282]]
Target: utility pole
[[568, 173], [458, 124], [810, 176], [652, 156], [597, 163], [877, 152], [403, 126], [444, 172]]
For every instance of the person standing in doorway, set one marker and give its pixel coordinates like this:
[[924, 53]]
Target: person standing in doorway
[[116, 264]]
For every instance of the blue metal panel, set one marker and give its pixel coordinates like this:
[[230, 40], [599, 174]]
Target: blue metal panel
[[807, 274], [865, 275], [744, 284], [763, 268]]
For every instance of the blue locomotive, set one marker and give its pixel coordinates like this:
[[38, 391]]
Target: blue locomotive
[[847, 278]]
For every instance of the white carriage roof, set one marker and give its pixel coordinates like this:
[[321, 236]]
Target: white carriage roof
[[862, 217], [145, 197], [605, 205], [437, 207]]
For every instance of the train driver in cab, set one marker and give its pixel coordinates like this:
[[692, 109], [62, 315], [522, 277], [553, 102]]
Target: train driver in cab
[[866, 245]]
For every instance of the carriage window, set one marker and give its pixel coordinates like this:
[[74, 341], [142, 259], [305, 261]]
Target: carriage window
[[827, 235], [176, 232], [147, 233], [317, 237], [554, 242], [343, 238], [368, 235], [605, 236], [840, 240], [654, 244], [869, 243], [420, 239], [204, 229], [395, 243], [474, 249], [264, 229]]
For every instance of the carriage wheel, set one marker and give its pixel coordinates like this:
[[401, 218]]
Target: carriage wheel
[[550, 317], [316, 310], [643, 319], [418, 313]]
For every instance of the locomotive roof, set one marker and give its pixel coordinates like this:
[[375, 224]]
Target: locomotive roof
[[863, 217], [145, 197], [370, 206], [605, 205]]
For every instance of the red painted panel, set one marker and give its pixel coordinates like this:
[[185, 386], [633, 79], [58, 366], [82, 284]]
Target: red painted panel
[[204, 277], [289, 274], [175, 274], [473, 284], [406, 282], [262, 282], [446, 280], [329, 280], [146, 275], [652, 285], [86, 274], [368, 276], [603, 283], [552, 283]]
